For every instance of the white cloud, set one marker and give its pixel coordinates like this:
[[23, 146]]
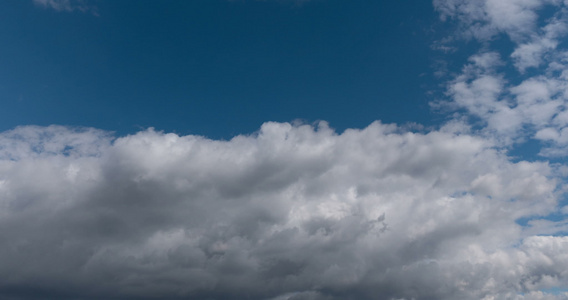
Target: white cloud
[[531, 54], [484, 19], [292, 212], [513, 107], [535, 108]]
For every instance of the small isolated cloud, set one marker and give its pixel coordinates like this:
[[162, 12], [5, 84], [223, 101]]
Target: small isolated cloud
[[291, 212], [66, 5]]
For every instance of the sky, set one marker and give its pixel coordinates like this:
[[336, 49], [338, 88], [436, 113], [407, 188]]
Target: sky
[[284, 149], [215, 68]]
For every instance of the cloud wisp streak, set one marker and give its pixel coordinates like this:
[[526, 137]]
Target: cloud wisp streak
[[66, 5], [291, 212]]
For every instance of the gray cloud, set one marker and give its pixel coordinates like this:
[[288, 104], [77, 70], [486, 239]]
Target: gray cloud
[[291, 212]]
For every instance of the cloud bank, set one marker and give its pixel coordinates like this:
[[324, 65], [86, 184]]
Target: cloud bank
[[290, 212]]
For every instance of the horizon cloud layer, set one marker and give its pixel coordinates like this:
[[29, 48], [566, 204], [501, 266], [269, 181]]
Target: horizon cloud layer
[[290, 212]]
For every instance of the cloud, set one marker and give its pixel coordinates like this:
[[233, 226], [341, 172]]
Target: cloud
[[290, 212], [66, 5], [532, 53], [484, 19], [513, 107]]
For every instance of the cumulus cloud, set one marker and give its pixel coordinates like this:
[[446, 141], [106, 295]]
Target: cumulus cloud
[[532, 53], [483, 19], [507, 110], [513, 107], [290, 212]]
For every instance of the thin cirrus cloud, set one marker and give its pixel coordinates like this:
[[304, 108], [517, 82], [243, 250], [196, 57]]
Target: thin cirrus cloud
[[291, 212], [66, 5]]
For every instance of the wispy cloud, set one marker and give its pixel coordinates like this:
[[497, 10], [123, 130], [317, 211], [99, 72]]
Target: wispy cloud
[[67, 5], [292, 212]]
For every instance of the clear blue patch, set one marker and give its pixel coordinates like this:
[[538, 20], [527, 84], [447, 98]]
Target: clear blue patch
[[555, 290]]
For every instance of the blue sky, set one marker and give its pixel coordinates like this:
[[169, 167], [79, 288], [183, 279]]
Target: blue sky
[[284, 149], [217, 68]]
